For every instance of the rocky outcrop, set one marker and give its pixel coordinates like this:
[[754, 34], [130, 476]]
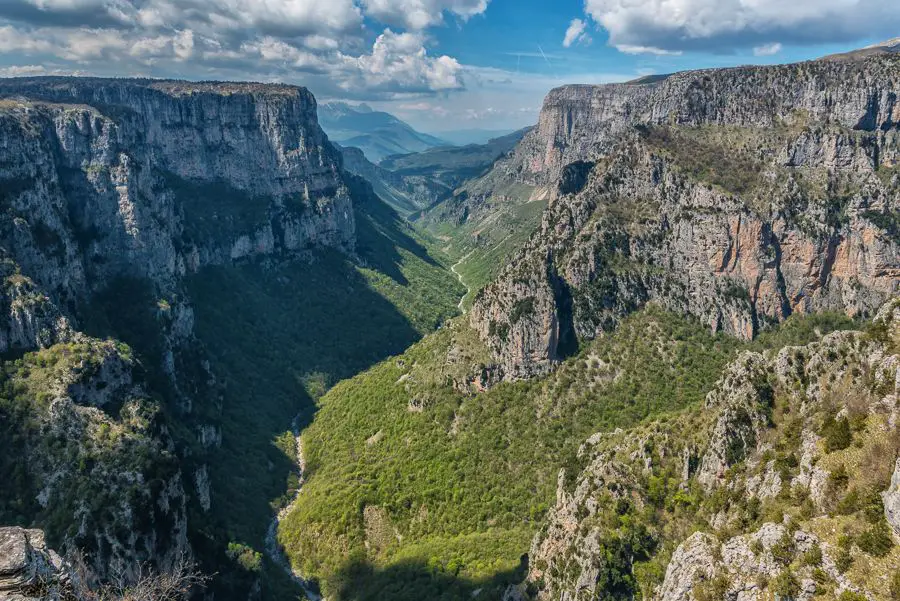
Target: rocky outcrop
[[28, 318], [699, 483], [28, 569], [743, 564], [697, 193], [742, 399], [891, 499], [98, 457], [114, 192], [163, 177], [584, 122]]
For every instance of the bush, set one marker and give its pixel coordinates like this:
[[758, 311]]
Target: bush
[[839, 478], [245, 556], [843, 560], [852, 596], [786, 585], [876, 540], [784, 550], [837, 433], [714, 589], [813, 557]]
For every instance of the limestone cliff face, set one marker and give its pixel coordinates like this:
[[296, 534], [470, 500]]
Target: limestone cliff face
[[160, 178], [95, 460], [739, 196], [582, 122], [29, 571], [114, 187], [747, 497]]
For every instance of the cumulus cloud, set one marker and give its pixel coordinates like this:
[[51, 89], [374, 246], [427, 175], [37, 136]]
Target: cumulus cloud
[[319, 44], [400, 60], [419, 14], [726, 25], [576, 34]]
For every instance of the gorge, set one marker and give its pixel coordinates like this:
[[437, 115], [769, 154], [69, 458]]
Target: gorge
[[645, 349]]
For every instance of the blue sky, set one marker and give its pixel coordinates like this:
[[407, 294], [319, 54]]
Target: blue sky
[[440, 64]]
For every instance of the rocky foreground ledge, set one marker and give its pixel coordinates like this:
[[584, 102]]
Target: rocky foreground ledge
[[28, 569]]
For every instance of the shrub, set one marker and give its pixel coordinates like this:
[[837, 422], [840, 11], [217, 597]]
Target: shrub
[[714, 589], [839, 478], [813, 557], [843, 560], [783, 551], [876, 540], [837, 433], [245, 556], [852, 596], [786, 585]]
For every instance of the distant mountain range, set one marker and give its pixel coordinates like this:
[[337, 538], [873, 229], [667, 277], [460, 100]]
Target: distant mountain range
[[415, 181], [376, 133]]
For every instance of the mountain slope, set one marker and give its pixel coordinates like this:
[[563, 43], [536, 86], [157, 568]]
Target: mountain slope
[[688, 219], [455, 165], [406, 194], [196, 223], [413, 182], [782, 485], [709, 194], [376, 133], [423, 479]]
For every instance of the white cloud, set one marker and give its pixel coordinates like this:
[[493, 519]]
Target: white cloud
[[13, 40], [629, 49], [725, 25], [313, 42], [767, 49], [575, 34], [419, 14], [399, 60]]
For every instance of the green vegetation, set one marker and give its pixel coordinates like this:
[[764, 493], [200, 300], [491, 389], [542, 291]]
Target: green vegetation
[[725, 157], [483, 244], [245, 556], [837, 433], [403, 463], [216, 211], [74, 455], [278, 334], [713, 589]]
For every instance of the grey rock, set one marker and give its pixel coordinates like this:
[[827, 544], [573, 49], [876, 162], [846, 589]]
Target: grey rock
[[648, 225], [28, 569], [891, 498]]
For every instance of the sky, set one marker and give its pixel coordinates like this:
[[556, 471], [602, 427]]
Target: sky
[[438, 64]]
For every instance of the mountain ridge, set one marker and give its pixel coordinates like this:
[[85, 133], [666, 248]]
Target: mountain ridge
[[377, 133], [800, 178]]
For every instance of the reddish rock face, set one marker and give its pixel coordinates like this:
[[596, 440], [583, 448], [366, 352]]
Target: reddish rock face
[[708, 195]]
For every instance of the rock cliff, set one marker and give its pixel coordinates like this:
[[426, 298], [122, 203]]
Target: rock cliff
[[28, 569], [114, 191], [780, 486], [739, 196]]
